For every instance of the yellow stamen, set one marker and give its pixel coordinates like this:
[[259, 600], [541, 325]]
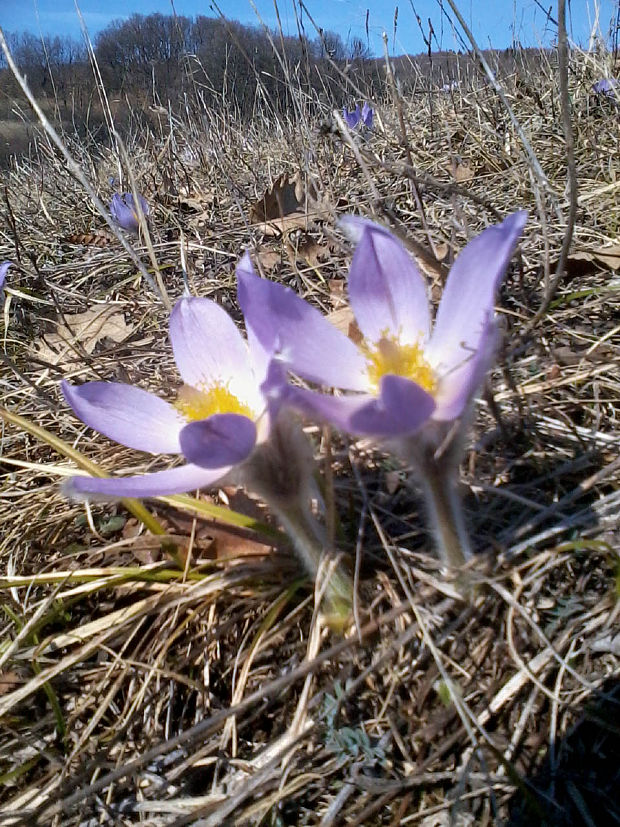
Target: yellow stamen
[[194, 403], [389, 356]]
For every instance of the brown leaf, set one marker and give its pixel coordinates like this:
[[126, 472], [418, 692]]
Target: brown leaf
[[82, 332], [462, 172], [337, 291], [344, 320], [312, 252], [608, 257], [9, 681], [289, 204], [441, 250], [237, 500], [285, 196], [269, 259], [226, 543], [582, 262]]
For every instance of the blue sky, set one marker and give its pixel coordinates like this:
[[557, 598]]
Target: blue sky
[[492, 22]]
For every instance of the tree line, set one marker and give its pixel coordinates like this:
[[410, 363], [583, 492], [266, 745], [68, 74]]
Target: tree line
[[159, 58]]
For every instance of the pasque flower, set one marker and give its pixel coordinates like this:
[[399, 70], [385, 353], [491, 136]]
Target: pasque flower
[[353, 118], [227, 422], [408, 384], [220, 414], [402, 373], [368, 115], [124, 211], [606, 86]]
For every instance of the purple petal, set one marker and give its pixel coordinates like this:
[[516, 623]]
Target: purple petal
[[4, 268], [284, 323], [158, 484], [222, 439], [123, 213], [127, 414], [368, 115], [352, 118], [386, 291], [209, 349], [459, 387], [261, 353], [401, 408], [606, 86], [469, 296]]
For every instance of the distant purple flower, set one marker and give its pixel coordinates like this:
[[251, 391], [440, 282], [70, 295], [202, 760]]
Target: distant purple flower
[[358, 116], [124, 211], [221, 414], [4, 268], [606, 86], [368, 115], [352, 118], [402, 375]]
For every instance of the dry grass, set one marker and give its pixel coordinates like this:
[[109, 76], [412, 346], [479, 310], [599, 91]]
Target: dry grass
[[137, 691]]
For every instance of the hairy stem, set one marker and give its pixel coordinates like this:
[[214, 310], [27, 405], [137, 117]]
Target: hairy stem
[[309, 543], [446, 514]]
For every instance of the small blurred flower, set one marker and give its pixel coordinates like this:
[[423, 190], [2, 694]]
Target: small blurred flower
[[358, 116], [368, 115], [352, 118], [124, 211], [4, 268], [606, 86]]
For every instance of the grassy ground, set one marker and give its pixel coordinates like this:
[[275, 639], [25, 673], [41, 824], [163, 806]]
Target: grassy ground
[[201, 688]]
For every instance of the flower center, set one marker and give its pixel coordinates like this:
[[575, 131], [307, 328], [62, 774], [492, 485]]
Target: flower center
[[194, 403], [389, 356]]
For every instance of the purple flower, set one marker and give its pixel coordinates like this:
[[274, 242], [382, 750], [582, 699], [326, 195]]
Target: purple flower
[[4, 269], [124, 211], [352, 118], [368, 115], [222, 412], [402, 374], [606, 86], [358, 116]]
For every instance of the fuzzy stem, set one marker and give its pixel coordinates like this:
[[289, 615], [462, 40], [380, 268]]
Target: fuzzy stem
[[306, 536], [446, 514]]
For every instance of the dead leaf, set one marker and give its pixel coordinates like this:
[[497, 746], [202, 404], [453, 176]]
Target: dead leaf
[[78, 332], [237, 500], [285, 196], [269, 259], [441, 250], [608, 256], [582, 262], [337, 291], [462, 172], [344, 320], [313, 252], [9, 681], [226, 543], [290, 203]]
